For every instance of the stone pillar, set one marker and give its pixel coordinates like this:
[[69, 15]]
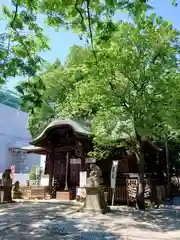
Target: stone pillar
[[95, 200]]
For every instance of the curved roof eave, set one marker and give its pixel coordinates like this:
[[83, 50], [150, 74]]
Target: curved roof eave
[[77, 128]]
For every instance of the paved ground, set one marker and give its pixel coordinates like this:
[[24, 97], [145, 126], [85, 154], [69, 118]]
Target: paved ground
[[47, 221]]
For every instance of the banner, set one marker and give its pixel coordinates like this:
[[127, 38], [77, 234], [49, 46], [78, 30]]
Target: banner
[[12, 167], [114, 173], [82, 179]]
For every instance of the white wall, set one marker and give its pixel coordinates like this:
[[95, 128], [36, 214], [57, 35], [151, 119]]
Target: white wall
[[13, 132], [43, 161], [13, 123]]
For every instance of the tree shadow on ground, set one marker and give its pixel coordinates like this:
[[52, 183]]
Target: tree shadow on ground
[[164, 219], [25, 221]]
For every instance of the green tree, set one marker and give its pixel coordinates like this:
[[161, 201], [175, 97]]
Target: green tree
[[41, 95], [125, 82], [23, 38], [130, 86], [35, 173], [21, 42]]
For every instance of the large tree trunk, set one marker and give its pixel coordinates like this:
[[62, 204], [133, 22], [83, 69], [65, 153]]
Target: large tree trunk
[[140, 161], [141, 187], [167, 170]]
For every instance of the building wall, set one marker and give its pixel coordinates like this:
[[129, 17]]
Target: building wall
[[13, 133], [23, 161], [21, 177]]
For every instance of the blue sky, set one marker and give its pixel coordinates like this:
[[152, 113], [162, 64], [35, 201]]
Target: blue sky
[[63, 40]]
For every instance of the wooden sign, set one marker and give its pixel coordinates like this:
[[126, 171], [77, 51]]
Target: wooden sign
[[82, 179], [90, 160], [75, 160]]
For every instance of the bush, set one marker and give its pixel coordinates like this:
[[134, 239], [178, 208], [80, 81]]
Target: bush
[[33, 173]]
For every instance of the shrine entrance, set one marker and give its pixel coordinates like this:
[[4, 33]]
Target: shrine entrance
[[69, 144], [73, 168]]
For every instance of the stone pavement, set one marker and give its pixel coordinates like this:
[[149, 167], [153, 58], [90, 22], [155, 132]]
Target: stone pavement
[[25, 221], [47, 221]]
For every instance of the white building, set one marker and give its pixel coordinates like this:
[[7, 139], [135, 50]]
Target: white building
[[14, 135]]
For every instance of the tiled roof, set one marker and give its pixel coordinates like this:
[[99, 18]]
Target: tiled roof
[[78, 128]]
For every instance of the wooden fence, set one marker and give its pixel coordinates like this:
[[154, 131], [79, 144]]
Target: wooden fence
[[120, 193], [124, 192], [127, 192]]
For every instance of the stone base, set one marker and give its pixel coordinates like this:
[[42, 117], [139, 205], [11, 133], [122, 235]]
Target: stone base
[[17, 195], [64, 195], [95, 200], [47, 197], [80, 194]]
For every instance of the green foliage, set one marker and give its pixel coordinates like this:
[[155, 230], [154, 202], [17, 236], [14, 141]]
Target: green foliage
[[126, 81], [128, 86], [99, 153], [130, 89], [23, 38], [41, 95], [174, 3], [21, 42], [35, 173]]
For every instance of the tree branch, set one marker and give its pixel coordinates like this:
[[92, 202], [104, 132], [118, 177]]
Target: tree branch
[[79, 11], [9, 40], [90, 30], [15, 16], [92, 45]]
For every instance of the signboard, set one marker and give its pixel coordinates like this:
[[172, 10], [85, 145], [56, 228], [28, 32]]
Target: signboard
[[90, 160], [82, 179], [75, 160], [45, 180], [114, 173]]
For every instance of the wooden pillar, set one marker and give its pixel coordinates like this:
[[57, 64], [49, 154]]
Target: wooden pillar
[[51, 174], [82, 164], [82, 156], [67, 168]]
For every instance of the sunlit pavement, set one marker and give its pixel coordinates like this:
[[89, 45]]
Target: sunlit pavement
[[35, 220], [41, 220]]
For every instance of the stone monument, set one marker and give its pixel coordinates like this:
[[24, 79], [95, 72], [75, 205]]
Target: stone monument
[[95, 199], [7, 185]]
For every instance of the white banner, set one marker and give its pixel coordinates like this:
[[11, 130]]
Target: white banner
[[82, 178], [114, 173]]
